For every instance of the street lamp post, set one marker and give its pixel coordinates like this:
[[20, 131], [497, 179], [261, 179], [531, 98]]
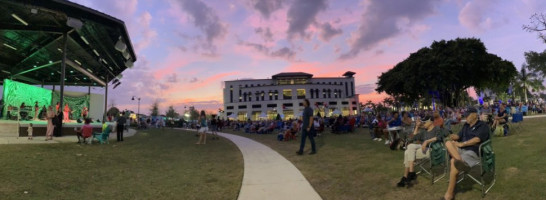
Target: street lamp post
[[138, 109]]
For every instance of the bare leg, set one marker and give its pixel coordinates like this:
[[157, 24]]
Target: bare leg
[[205, 138], [452, 150], [411, 167], [406, 172], [200, 138], [452, 181]]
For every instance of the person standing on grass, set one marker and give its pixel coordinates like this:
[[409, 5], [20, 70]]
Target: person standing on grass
[[213, 127], [307, 128], [120, 126], [202, 120], [49, 116]]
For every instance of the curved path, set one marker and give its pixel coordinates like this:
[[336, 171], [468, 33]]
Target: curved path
[[268, 175]]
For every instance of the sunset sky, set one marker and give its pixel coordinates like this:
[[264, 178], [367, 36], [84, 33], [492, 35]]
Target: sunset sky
[[186, 48]]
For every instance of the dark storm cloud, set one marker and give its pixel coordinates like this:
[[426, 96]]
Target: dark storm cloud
[[379, 22], [266, 7], [301, 14], [328, 32], [207, 21]]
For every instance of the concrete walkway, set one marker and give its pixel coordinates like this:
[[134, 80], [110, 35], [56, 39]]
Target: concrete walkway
[[268, 175], [56, 140]]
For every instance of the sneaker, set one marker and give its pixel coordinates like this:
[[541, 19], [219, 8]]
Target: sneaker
[[387, 142], [379, 140], [375, 139], [403, 182], [412, 176], [299, 153], [313, 152], [462, 166]]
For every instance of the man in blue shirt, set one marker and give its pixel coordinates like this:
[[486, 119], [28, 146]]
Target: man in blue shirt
[[464, 147], [307, 129], [396, 120]]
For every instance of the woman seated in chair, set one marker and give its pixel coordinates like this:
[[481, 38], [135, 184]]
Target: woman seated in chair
[[85, 132], [501, 118], [291, 133], [420, 138]]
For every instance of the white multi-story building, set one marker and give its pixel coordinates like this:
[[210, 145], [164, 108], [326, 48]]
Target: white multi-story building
[[284, 93]]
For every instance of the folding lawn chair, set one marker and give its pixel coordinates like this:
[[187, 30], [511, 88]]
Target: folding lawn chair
[[438, 158], [487, 175], [102, 137]]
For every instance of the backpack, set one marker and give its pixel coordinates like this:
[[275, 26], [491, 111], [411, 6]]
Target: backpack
[[394, 144]]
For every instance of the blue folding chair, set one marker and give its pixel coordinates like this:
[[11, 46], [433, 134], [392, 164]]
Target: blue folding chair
[[517, 119]]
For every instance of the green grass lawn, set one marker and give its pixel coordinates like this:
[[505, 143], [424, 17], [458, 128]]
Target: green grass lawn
[[155, 164], [352, 166]]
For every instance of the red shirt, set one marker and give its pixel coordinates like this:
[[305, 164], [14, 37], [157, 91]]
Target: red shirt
[[87, 130]]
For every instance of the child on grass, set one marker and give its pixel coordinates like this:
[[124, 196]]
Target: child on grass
[[29, 130]]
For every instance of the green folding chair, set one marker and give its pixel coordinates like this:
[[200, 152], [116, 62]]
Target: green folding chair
[[436, 162], [104, 136], [486, 167]]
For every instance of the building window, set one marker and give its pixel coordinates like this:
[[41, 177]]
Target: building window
[[229, 108], [231, 94], [263, 95], [287, 94], [324, 93], [276, 95], [340, 92], [329, 93], [240, 99], [332, 103], [346, 90], [345, 103], [352, 88], [301, 93], [257, 106], [271, 105], [245, 96], [312, 94], [242, 107], [270, 95], [257, 96]]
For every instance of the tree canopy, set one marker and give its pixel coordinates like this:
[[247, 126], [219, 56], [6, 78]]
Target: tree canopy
[[154, 111], [445, 70], [171, 112]]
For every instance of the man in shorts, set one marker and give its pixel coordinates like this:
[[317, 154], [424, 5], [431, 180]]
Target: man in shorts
[[464, 147]]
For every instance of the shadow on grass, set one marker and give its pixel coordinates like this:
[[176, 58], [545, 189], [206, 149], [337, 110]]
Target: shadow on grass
[[154, 164]]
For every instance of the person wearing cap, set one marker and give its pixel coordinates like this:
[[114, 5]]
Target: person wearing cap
[[420, 139], [464, 147]]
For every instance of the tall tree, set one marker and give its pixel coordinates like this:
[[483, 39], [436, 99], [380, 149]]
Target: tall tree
[[194, 114], [445, 70], [538, 24], [528, 81], [171, 112], [154, 111], [537, 60]]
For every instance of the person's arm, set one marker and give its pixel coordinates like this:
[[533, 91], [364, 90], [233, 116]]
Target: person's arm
[[417, 124], [310, 123], [471, 142], [426, 142]]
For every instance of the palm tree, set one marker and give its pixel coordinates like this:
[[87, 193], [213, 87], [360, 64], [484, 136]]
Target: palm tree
[[528, 81]]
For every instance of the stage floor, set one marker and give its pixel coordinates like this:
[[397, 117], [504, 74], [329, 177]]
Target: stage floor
[[13, 128], [43, 123]]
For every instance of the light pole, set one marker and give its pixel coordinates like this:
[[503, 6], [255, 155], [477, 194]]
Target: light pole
[[138, 110]]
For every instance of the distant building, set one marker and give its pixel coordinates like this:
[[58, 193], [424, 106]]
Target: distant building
[[284, 93]]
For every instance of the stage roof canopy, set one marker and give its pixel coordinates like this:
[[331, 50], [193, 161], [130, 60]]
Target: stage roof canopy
[[31, 43]]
